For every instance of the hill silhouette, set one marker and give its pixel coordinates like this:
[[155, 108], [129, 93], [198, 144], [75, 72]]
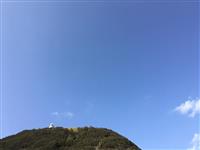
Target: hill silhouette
[[87, 138]]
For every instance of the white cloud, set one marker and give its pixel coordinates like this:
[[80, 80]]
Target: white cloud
[[68, 115], [190, 108], [195, 142], [55, 113]]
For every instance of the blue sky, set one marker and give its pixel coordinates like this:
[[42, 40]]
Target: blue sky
[[127, 66]]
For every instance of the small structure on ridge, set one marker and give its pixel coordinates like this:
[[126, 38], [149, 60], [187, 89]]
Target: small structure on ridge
[[51, 125]]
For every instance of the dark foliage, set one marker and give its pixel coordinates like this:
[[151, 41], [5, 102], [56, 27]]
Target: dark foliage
[[67, 139]]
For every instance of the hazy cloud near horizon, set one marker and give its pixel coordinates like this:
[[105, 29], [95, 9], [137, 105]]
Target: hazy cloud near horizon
[[68, 115]]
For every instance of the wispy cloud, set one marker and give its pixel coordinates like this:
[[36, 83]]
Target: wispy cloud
[[189, 107], [68, 115], [55, 113], [195, 142]]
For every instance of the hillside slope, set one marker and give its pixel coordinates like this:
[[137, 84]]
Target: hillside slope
[[67, 139]]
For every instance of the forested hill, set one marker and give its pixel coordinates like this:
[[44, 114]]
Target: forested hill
[[87, 138]]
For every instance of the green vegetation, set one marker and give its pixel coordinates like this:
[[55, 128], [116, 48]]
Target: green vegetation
[[67, 139]]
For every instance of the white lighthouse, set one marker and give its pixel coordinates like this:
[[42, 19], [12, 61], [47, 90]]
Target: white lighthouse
[[51, 125]]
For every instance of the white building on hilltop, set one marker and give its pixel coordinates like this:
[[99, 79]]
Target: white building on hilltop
[[51, 125]]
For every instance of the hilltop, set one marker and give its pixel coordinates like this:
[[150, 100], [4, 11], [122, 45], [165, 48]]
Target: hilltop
[[87, 138]]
